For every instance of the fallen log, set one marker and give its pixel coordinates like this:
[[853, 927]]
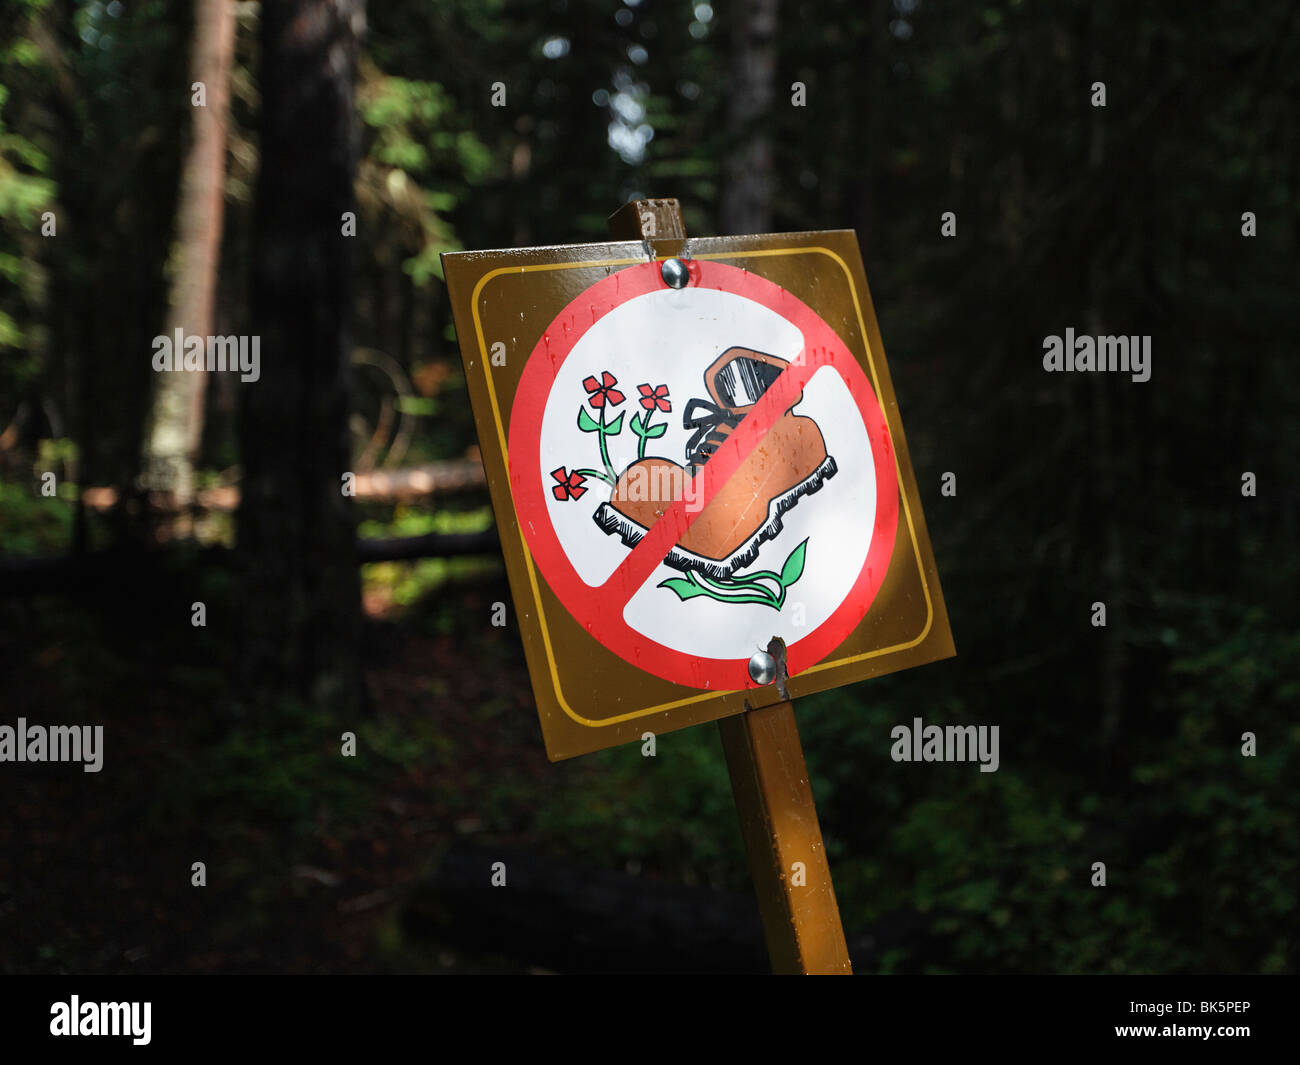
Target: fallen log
[[60, 574], [450, 477], [412, 482], [430, 545]]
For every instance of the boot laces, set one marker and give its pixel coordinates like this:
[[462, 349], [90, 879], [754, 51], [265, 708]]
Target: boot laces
[[712, 425]]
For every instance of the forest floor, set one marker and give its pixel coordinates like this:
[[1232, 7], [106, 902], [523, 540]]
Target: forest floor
[[309, 856]]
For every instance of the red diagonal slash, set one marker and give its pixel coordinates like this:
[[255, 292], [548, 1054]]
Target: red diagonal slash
[[780, 396]]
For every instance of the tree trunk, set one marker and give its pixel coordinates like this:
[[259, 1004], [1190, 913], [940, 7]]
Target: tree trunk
[[175, 426], [1104, 444], [747, 195], [296, 528]]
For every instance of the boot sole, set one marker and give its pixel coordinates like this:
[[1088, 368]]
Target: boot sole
[[632, 532]]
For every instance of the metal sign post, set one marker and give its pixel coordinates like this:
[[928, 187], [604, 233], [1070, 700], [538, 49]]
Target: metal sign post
[[778, 818], [787, 859]]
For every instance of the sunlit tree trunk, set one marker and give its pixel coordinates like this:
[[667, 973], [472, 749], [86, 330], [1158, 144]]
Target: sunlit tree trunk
[[175, 426]]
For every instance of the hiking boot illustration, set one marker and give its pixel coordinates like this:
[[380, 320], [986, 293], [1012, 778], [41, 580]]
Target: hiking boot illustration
[[788, 463]]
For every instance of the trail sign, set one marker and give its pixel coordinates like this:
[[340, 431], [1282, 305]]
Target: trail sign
[[686, 462]]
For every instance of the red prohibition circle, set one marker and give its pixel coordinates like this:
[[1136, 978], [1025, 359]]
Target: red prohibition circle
[[602, 614]]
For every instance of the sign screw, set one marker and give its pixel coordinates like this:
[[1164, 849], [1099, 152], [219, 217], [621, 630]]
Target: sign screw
[[674, 273], [762, 667]]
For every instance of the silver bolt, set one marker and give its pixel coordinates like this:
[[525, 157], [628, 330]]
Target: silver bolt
[[762, 667], [674, 273]]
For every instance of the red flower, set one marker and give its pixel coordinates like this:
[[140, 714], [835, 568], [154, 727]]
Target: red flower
[[570, 486], [654, 397], [603, 390]]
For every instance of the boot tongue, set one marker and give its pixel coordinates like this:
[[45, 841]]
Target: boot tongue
[[736, 381]]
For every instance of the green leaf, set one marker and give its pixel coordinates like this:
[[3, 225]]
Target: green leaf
[[759, 574], [656, 430], [636, 424], [415, 405], [759, 600], [793, 568], [586, 422], [684, 588], [615, 427], [754, 594]]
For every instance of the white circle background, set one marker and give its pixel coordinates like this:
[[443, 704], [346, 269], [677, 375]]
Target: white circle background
[[670, 337]]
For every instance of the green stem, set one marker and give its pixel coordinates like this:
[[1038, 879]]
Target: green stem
[[767, 573], [598, 474], [755, 580], [604, 449], [725, 590], [644, 436]]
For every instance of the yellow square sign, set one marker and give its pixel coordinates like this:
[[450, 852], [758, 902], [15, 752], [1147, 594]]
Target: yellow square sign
[[693, 453]]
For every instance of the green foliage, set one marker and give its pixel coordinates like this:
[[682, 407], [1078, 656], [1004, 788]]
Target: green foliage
[[419, 159], [1199, 841], [672, 813], [26, 190], [405, 583], [30, 523]]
